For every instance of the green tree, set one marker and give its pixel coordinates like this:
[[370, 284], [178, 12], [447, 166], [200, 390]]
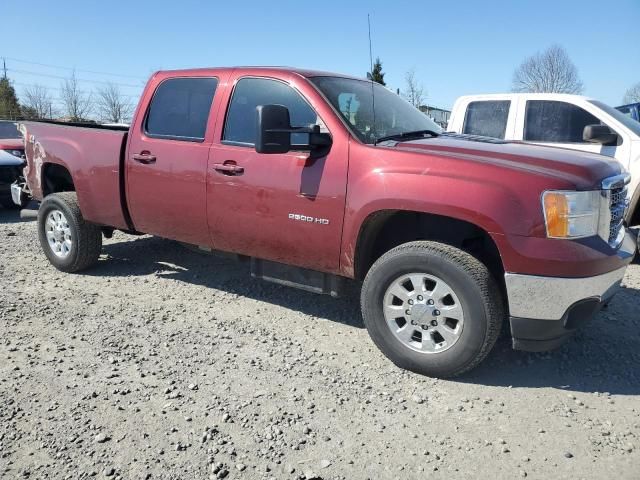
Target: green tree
[[9, 106], [376, 75]]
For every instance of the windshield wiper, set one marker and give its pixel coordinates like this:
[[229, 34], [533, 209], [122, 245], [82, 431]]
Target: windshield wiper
[[406, 135]]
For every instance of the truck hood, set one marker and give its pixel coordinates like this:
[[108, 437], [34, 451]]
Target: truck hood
[[8, 160], [582, 169]]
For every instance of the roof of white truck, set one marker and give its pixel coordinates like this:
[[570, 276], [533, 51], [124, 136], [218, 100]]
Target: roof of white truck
[[533, 96]]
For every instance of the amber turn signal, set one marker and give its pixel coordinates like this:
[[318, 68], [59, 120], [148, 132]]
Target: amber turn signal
[[556, 208]]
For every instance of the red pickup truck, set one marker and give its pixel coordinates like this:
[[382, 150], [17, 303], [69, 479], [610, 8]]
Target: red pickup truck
[[317, 177]]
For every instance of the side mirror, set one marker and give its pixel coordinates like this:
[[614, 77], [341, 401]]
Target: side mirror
[[273, 131], [599, 134]]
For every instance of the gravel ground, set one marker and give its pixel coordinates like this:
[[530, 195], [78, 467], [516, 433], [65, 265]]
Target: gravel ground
[[166, 363]]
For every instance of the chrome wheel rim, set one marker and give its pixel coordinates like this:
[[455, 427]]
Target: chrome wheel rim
[[58, 234], [423, 312]]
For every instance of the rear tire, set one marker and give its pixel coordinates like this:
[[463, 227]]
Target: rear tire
[[449, 309], [70, 243]]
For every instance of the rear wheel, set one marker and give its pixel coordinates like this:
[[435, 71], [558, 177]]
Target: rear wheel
[[70, 243], [432, 308]]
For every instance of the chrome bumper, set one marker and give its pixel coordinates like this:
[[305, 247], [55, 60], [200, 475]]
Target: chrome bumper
[[549, 298]]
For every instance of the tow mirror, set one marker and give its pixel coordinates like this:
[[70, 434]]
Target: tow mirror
[[599, 134], [273, 131]]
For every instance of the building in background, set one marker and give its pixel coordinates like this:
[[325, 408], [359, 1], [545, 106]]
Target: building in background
[[438, 115]]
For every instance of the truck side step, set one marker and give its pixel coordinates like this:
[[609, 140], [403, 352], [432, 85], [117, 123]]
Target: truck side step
[[309, 280]]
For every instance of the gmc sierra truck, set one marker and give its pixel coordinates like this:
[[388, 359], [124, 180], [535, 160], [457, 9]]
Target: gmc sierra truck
[[315, 178]]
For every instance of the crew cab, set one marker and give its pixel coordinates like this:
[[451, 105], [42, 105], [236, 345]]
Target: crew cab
[[450, 235], [560, 120]]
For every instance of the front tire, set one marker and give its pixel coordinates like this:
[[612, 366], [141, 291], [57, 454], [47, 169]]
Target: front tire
[[70, 243], [432, 308]]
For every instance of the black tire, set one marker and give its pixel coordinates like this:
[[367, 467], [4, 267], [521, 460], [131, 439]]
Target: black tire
[[477, 291], [86, 237]]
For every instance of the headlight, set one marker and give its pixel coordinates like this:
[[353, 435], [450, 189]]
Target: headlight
[[571, 214]]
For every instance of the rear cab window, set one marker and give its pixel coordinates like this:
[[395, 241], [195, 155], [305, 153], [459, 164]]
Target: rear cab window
[[553, 121], [179, 109], [248, 94], [487, 118], [9, 130]]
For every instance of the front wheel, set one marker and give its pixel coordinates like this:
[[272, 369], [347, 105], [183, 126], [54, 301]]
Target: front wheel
[[432, 308], [70, 243]]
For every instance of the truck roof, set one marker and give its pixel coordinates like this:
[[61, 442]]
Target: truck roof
[[303, 72], [535, 96]]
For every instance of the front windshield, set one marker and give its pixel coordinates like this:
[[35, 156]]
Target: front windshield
[[9, 130], [625, 120], [354, 100]]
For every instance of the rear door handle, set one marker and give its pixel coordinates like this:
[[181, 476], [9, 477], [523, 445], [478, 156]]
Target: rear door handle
[[144, 157], [228, 168]]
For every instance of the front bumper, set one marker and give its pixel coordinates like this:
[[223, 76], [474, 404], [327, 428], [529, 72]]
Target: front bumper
[[544, 311]]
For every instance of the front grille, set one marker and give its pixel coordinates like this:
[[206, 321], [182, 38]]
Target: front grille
[[617, 206]]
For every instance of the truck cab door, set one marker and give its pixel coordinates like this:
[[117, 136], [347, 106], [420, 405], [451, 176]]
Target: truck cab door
[[166, 166], [287, 208], [561, 124], [488, 118]]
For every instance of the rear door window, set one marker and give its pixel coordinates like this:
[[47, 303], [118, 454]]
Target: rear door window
[[240, 125], [556, 122], [487, 118], [180, 108]]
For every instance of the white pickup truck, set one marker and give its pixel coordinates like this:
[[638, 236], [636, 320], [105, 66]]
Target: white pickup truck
[[560, 120]]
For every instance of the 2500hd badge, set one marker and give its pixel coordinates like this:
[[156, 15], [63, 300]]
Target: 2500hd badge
[[304, 218]]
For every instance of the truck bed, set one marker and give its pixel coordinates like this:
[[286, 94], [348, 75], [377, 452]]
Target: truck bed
[[93, 157]]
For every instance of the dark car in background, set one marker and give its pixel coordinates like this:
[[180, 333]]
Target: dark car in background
[[632, 109], [11, 160]]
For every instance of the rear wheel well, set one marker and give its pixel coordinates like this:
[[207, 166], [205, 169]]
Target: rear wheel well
[[56, 178], [387, 229]]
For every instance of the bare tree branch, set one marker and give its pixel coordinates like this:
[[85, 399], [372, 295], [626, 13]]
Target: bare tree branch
[[414, 91], [550, 71], [632, 95], [38, 99], [78, 105], [112, 105]]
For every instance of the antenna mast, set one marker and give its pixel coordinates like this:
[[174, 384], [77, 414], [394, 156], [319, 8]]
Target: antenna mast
[[373, 98]]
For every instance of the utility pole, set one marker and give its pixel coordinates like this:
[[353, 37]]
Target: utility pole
[[4, 68]]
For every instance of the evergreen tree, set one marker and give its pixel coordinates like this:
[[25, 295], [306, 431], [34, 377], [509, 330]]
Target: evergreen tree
[[376, 75], [9, 106]]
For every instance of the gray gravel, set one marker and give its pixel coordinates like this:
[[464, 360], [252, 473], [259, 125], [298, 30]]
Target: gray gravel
[[165, 363]]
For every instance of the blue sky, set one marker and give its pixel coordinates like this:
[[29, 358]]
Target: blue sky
[[456, 48]]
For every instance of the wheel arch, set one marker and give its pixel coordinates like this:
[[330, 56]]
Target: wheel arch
[[385, 229], [56, 177]]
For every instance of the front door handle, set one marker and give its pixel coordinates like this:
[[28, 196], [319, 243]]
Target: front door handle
[[144, 157], [228, 168]]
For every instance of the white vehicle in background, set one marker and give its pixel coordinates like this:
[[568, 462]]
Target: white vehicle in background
[[560, 120]]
